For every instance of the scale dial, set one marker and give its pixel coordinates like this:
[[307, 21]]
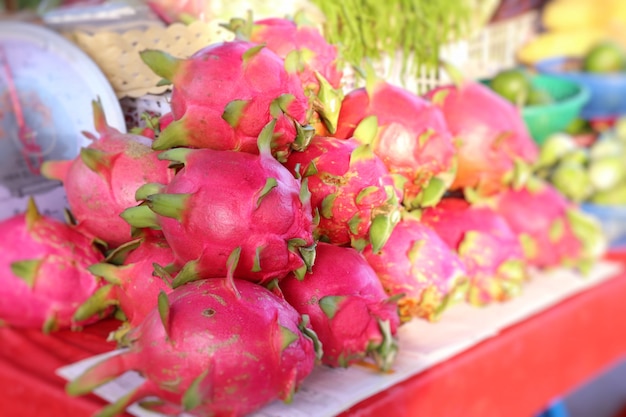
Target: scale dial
[[47, 85]]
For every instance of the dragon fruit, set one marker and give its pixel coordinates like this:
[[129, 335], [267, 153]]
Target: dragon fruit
[[494, 143], [102, 180], [552, 230], [351, 189], [307, 54], [407, 132], [134, 285], [221, 346], [348, 307], [44, 272], [224, 94], [417, 265], [487, 246], [223, 200]]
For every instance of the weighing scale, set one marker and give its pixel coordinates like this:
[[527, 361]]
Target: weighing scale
[[47, 85]]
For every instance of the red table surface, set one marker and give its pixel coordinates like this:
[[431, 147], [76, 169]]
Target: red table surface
[[516, 373]]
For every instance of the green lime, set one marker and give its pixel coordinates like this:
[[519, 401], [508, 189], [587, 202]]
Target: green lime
[[578, 126], [512, 84], [605, 57], [538, 97]]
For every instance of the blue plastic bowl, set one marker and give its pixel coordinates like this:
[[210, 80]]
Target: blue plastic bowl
[[613, 221], [607, 91]]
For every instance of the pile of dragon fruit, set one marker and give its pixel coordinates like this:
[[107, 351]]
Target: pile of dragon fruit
[[274, 222]]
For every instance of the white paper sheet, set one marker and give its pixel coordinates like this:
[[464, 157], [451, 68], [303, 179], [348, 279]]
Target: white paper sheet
[[327, 392]]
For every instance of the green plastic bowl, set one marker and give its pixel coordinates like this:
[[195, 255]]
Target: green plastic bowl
[[568, 96]]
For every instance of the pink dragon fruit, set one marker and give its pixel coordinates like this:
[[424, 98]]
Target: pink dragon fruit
[[407, 132], [223, 200], [309, 55], [351, 189], [487, 246], [348, 307], [417, 265], [224, 95], [44, 276], [134, 285], [214, 347], [493, 139], [301, 46], [552, 230], [101, 182]]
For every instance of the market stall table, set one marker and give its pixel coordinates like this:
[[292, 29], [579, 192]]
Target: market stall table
[[517, 372]]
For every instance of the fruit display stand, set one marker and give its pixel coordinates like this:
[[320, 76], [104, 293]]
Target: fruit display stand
[[511, 359], [525, 367]]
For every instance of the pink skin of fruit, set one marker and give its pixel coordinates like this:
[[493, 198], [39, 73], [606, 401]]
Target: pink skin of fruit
[[225, 94], [418, 265], [491, 135], [135, 284], [313, 52], [223, 348], [487, 246], [165, 120], [173, 11], [140, 285], [351, 189], [222, 200], [101, 182], [44, 272], [408, 133], [539, 216], [348, 307], [307, 54]]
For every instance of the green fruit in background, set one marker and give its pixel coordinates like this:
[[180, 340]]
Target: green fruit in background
[[606, 147], [605, 57], [554, 148], [512, 84], [607, 172], [619, 129], [573, 181], [577, 156], [578, 126], [538, 97], [612, 197]]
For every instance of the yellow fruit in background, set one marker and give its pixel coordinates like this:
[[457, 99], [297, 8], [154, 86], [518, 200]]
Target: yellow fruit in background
[[574, 14], [605, 57], [574, 43]]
